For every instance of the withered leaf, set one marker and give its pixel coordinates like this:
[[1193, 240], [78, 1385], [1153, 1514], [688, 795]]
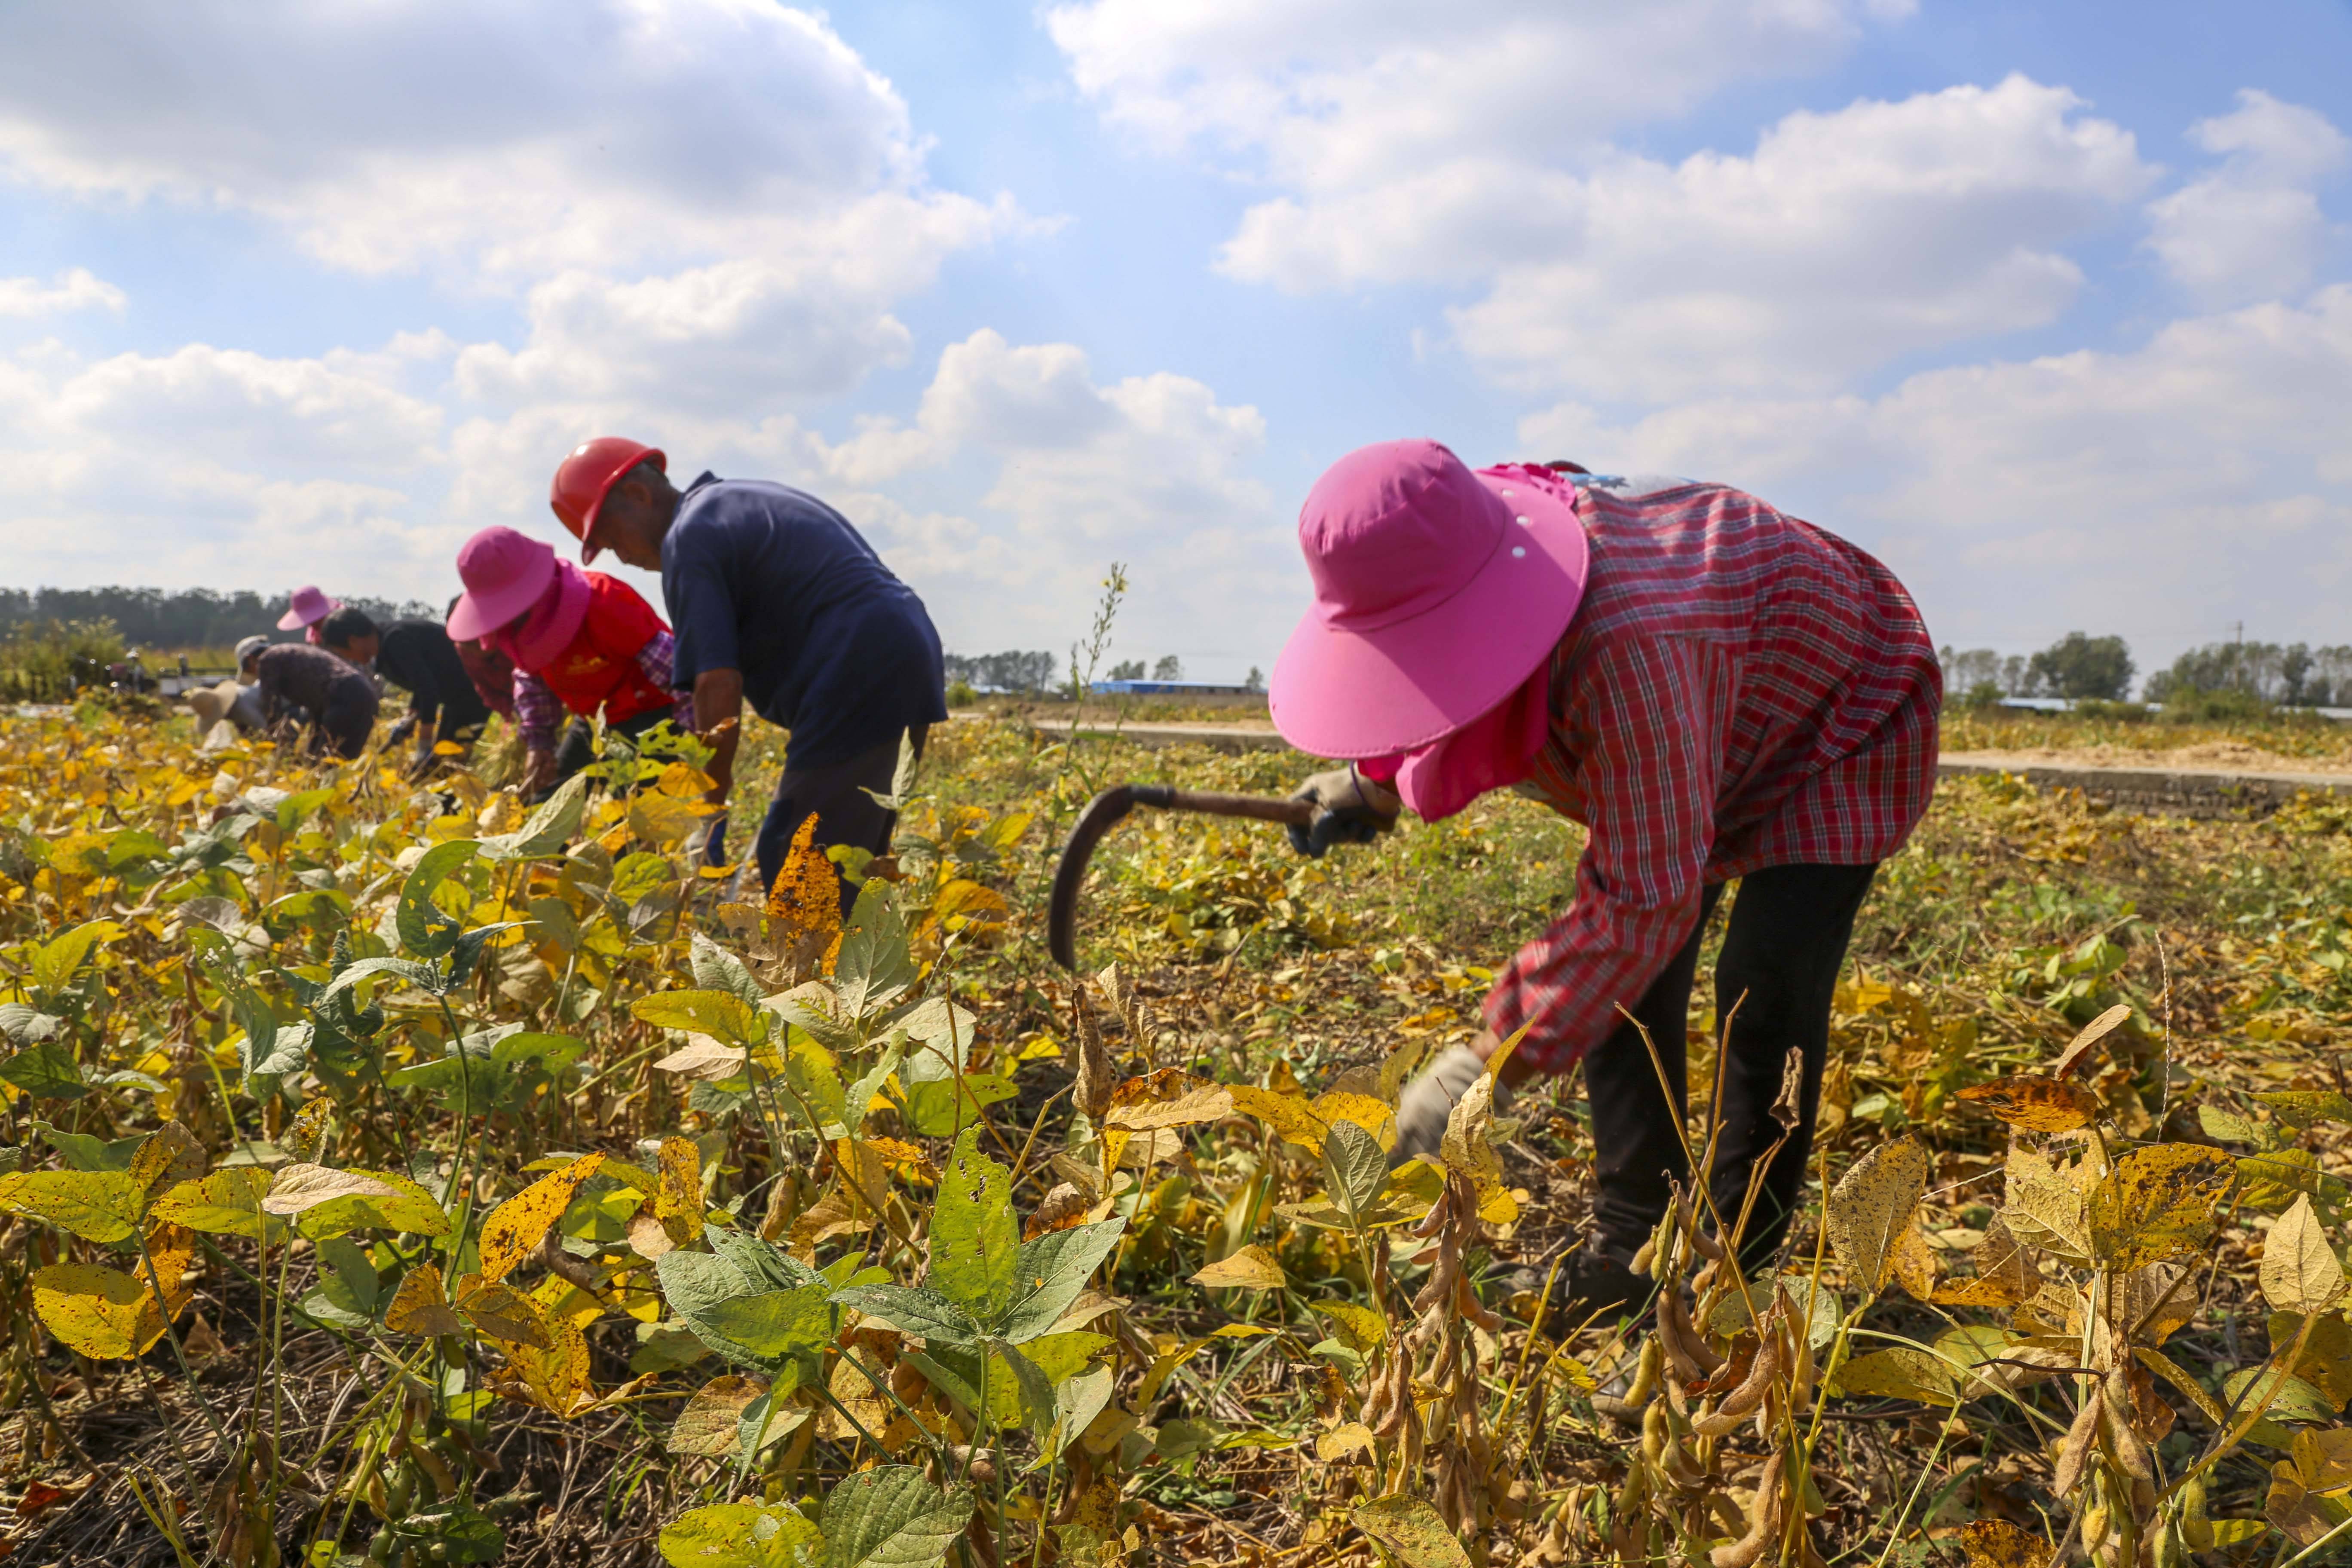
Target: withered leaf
[[2160, 1201], [2036, 1103], [1871, 1207]]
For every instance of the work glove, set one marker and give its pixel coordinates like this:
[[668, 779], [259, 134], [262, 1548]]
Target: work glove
[[1429, 1100], [1351, 809], [708, 843]]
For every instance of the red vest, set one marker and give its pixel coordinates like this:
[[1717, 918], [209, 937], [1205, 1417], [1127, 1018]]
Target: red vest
[[599, 668]]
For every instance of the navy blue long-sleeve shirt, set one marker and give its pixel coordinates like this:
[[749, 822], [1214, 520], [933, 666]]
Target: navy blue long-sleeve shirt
[[770, 581]]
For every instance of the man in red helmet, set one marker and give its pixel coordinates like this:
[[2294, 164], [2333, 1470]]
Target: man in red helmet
[[778, 601]]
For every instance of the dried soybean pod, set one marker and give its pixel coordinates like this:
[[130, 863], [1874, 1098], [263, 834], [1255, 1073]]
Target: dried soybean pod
[[1764, 1525], [2074, 1449]]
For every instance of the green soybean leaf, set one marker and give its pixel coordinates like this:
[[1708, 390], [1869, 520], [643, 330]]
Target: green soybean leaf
[[723, 1015], [426, 930], [46, 1072], [741, 1535], [910, 1310], [547, 830], [975, 1241], [892, 1517], [1053, 1271]]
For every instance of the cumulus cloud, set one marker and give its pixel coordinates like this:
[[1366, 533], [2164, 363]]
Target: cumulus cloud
[[76, 289], [513, 140], [219, 466], [2189, 481], [1153, 470], [2251, 228], [1334, 94]]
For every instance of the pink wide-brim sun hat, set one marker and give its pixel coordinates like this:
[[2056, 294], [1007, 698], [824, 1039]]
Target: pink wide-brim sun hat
[[309, 604], [505, 571], [1438, 592]]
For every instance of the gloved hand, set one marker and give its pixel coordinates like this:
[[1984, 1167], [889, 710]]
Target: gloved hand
[[1351, 809], [712, 849], [1429, 1100]]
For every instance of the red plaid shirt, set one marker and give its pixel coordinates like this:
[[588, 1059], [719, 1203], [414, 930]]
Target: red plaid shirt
[[1739, 689]]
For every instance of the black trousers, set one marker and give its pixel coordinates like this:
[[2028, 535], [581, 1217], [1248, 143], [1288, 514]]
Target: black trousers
[[836, 796], [1779, 968], [350, 715]]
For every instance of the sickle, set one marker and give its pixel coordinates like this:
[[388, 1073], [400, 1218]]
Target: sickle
[[1107, 808]]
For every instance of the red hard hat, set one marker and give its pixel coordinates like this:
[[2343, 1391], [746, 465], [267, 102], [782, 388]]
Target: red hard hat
[[582, 480]]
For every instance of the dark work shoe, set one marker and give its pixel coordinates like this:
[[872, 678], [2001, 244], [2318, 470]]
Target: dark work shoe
[[1595, 1289]]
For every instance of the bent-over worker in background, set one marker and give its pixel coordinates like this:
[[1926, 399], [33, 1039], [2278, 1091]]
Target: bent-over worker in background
[[780, 602], [417, 656], [1716, 690], [579, 640], [304, 685]]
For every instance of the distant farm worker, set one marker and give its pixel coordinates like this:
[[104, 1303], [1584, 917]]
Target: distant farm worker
[[306, 611], [779, 601], [1716, 690], [579, 640], [303, 686], [490, 673], [418, 657]]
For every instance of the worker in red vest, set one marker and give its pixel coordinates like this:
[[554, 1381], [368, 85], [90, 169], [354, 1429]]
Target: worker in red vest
[[580, 640]]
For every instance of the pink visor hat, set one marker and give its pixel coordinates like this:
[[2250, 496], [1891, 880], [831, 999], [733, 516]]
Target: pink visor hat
[[1438, 592], [310, 604], [505, 571]]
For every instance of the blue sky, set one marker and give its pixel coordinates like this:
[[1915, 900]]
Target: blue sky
[[2050, 306]]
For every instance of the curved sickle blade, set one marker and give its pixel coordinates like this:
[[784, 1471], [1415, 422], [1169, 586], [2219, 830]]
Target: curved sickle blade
[[1101, 813]]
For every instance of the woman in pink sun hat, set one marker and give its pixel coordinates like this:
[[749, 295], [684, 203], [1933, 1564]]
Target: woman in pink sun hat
[[1716, 690], [307, 610], [579, 640]]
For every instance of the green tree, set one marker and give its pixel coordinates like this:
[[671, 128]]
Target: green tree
[[2084, 668]]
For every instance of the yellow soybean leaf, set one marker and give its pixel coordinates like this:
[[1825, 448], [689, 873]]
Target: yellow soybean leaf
[[1915, 1265], [1900, 1372], [1360, 1328], [516, 1225], [502, 1313], [226, 1203], [1996, 1544], [418, 1306], [95, 1309], [678, 1203], [2300, 1271], [1414, 1532], [2036, 1103], [410, 1210], [806, 902], [2160, 1201], [1251, 1269], [1169, 1098], [299, 1188], [705, 1427], [1291, 1115], [169, 1156], [1341, 1441], [557, 1374], [97, 1206], [1871, 1207]]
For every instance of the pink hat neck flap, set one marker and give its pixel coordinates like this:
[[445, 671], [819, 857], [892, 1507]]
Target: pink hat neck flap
[[1438, 592]]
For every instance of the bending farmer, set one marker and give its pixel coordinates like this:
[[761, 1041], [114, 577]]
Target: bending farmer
[[777, 600], [579, 640], [418, 657], [1716, 690], [304, 685]]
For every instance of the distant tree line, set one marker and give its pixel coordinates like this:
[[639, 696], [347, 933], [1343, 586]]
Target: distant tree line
[[1029, 674], [2086, 668], [172, 619]]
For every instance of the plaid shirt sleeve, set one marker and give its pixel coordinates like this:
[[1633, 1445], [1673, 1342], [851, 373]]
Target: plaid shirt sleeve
[[659, 660], [537, 710], [1644, 717]]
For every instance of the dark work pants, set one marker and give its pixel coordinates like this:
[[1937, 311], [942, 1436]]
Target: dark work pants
[[1779, 967], [836, 796], [350, 715]]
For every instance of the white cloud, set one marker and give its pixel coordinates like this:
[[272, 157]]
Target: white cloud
[[220, 467], [76, 288], [1335, 94], [514, 140], [2163, 491], [1153, 470], [2252, 228]]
